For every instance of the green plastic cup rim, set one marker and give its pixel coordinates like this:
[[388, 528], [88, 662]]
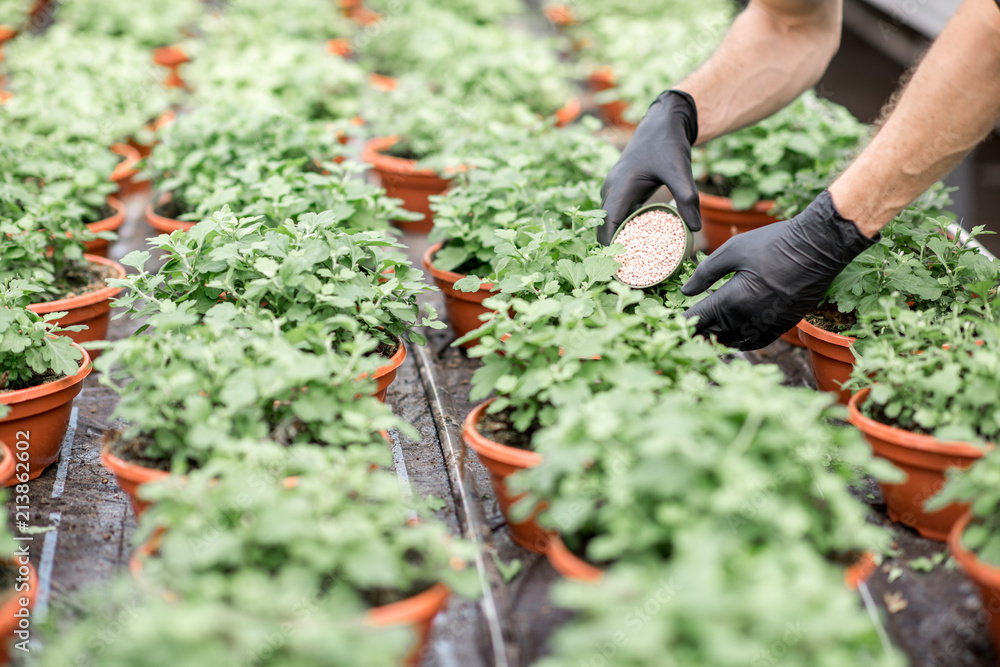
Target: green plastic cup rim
[[688, 241]]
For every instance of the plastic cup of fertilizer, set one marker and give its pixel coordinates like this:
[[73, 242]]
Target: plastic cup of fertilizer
[[656, 244]]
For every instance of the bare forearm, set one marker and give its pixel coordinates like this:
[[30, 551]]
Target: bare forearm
[[949, 106], [774, 51]]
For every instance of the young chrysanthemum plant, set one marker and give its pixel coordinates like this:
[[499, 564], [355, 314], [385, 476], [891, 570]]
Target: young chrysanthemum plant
[[31, 350], [308, 273]]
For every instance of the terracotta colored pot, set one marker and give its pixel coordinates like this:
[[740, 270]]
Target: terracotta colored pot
[[163, 224], [720, 222], [924, 459], [386, 84], [502, 462], [568, 113], [92, 309], [418, 611], [112, 223], [831, 357], [12, 611], [38, 419], [402, 179], [339, 46], [384, 375], [861, 571], [792, 337], [6, 464], [566, 563], [126, 172], [7, 33], [561, 15], [130, 477], [171, 57], [603, 78], [986, 576], [463, 308]]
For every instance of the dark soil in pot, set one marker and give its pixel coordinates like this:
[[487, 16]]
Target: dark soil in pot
[[88, 278], [34, 381], [827, 317], [378, 597], [134, 450], [499, 428]]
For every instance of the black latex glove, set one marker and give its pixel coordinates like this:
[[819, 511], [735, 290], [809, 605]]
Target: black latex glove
[[659, 153], [782, 271]]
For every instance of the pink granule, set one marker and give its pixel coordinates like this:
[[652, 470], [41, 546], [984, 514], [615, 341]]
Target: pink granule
[[654, 246]]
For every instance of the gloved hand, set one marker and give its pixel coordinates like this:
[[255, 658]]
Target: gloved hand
[[659, 153], [782, 271]]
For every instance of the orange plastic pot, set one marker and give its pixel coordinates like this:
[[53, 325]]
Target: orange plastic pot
[[721, 222], [386, 84], [339, 46], [6, 34], [163, 224], [463, 308], [92, 309], [561, 15], [171, 57], [112, 223], [38, 419], [126, 171], [792, 337], [985, 576], [418, 611], [12, 611], [130, 477], [566, 563], [568, 113], [603, 78], [6, 464], [831, 357], [502, 461], [402, 179], [924, 459], [861, 571], [384, 375]]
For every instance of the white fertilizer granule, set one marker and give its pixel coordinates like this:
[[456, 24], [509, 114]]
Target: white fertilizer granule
[[654, 246]]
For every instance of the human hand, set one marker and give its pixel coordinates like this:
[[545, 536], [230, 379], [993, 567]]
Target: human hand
[[782, 271], [659, 153]]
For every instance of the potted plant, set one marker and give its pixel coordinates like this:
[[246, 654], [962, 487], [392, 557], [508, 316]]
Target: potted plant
[[554, 352], [740, 173], [307, 272], [256, 382], [972, 541], [261, 163], [46, 247], [626, 490], [914, 264], [511, 219], [41, 372], [923, 382], [281, 623], [418, 561], [160, 23], [641, 610]]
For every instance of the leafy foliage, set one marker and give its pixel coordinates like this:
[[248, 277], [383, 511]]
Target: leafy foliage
[[43, 242], [530, 201], [161, 22], [931, 373], [915, 263], [548, 355], [622, 481], [30, 347], [715, 604], [275, 623], [979, 486], [189, 391], [307, 273], [365, 537], [759, 161]]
